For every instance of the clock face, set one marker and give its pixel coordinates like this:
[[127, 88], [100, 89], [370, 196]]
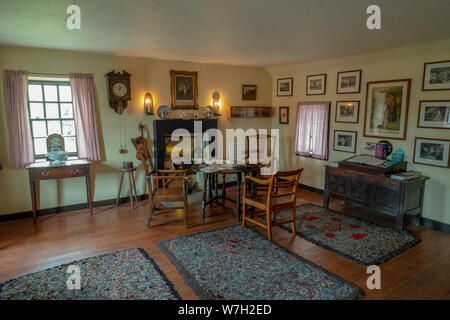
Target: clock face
[[119, 89]]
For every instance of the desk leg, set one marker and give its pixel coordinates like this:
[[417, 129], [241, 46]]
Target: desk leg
[[205, 186], [33, 199], [88, 191], [238, 200]]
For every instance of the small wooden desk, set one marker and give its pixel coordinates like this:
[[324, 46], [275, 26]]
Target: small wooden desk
[[45, 171]]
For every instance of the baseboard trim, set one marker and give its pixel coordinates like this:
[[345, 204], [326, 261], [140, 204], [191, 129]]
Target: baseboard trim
[[410, 220], [72, 207]]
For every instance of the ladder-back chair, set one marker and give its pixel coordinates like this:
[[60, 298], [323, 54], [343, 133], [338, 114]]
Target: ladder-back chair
[[159, 184], [281, 196]]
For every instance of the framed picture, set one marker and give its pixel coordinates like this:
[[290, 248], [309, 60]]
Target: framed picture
[[316, 84], [436, 76], [347, 111], [248, 92], [432, 152], [345, 141], [348, 82], [284, 115], [184, 89], [387, 109], [434, 114], [285, 87]]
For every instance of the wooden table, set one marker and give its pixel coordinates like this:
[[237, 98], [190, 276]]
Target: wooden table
[[211, 186], [46, 171]]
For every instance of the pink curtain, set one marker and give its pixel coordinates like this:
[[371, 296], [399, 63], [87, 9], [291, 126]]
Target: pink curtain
[[15, 92], [85, 115], [311, 136]]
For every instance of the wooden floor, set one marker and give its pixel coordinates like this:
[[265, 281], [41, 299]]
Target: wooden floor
[[422, 272]]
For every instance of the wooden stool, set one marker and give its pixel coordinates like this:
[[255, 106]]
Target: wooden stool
[[132, 182]]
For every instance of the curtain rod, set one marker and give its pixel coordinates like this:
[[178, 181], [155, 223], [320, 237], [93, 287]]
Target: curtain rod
[[49, 74]]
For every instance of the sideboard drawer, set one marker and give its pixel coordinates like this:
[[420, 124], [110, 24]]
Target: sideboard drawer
[[58, 172]]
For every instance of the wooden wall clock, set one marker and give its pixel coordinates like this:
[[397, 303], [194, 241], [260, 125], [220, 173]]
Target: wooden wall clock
[[119, 90]]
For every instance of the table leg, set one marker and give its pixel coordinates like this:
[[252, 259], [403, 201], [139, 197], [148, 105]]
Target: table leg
[[33, 199], [238, 200], [205, 186], [120, 189], [224, 193], [88, 191], [210, 191]]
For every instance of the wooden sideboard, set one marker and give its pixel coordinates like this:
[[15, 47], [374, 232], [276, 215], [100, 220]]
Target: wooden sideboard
[[45, 171], [382, 198]]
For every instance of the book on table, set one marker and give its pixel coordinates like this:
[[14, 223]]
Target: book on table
[[408, 175]]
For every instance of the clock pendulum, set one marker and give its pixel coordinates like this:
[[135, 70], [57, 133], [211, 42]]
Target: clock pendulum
[[123, 149]]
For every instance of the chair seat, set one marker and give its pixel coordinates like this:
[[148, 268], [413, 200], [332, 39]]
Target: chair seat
[[168, 193]]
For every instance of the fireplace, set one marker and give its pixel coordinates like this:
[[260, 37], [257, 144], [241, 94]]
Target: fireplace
[[162, 131]]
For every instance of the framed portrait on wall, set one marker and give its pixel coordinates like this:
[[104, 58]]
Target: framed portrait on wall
[[434, 114], [348, 82], [316, 84], [284, 115], [184, 89], [387, 109], [436, 76], [345, 141], [249, 92], [285, 87], [347, 112], [432, 152]]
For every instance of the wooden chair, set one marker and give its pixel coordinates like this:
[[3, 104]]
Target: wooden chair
[[272, 203], [159, 182]]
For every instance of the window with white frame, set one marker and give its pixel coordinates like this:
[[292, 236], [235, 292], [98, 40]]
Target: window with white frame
[[51, 112]]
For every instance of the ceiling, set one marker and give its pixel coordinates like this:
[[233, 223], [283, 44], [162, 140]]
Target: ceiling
[[242, 32]]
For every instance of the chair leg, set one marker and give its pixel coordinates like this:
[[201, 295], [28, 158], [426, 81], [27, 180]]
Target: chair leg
[[186, 210], [244, 207], [294, 230], [150, 210], [269, 224]]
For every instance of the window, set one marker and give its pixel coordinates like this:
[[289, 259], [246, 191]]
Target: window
[[311, 136], [51, 111]]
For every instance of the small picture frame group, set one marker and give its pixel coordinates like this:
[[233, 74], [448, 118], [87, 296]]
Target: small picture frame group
[[285, 87], [316, 84], [284, 115], [347, 112], [432, 152], [348, 82], [345, 141], [249, 92], [436, 76]]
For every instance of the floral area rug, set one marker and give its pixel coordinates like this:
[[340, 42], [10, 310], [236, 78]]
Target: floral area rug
[[354, 239], [239, 263], [128, 274]]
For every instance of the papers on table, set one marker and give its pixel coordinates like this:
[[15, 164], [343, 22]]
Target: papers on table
[[366, 159]]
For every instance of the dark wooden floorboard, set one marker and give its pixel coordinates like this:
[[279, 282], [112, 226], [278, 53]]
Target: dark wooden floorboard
[[421, 272]]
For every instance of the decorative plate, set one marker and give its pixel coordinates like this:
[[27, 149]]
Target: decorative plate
[[163, 112]]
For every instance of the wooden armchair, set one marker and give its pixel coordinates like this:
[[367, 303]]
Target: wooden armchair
[[281, 195], [159, 182]]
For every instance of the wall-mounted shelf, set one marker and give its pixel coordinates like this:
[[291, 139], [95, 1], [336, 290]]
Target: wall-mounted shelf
[[249, 112]]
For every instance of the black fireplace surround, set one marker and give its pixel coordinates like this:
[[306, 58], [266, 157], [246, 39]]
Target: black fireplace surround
[[162, 128]]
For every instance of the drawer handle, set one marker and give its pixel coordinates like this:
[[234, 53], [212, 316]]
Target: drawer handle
[[75, 171], [45, 173]]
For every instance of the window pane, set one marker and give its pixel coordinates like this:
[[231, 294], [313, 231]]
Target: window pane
[[71, 145], [66, 110], [40, 146], [36, 111], [39, 129], [65, 94], [68, 128], [35, 92], [54, 127], [52, 110], [50, 93]]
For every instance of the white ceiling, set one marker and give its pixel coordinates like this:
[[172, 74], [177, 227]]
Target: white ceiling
[[244, 32]]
